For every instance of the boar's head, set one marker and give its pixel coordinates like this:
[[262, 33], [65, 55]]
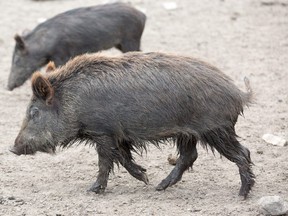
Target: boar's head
[[41, 122], [26, 60]]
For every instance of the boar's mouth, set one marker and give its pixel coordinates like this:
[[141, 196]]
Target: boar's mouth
[[10, 87], [12, 84], [19, 76], [28, 150], [24, 150], [13, 150]]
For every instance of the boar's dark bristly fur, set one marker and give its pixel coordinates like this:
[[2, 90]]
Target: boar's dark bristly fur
[[119, 104]]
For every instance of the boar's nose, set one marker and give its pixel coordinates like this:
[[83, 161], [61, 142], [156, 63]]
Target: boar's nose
[[14, 150], [10, 87], [26, 150], [18, 148]]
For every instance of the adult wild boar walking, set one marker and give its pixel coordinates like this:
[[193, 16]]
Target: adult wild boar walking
[[78, 31], [120, 103]]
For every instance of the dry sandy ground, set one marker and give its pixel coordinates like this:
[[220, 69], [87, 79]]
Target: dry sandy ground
[[243, 38]]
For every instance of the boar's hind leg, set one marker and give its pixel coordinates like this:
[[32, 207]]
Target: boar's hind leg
[[226, 144], [187, 155]]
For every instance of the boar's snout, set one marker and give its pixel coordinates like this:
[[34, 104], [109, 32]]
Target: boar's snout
[[10, 87], [18, 150], [21, 148], [14, 80], [11, 83], [14, 150]]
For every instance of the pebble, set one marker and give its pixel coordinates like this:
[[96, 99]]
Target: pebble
[[1, 200], [274, 140], [273, 205], [11, 198], [259, 152], [172, 159], [170, 5]]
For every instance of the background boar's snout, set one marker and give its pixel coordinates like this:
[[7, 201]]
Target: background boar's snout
[[10, 86]]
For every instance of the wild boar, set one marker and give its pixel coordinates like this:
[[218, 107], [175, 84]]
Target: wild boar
[[78, 31], [120, 103]]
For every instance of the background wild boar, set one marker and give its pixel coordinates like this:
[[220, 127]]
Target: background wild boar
[[120, 103], [78, 31]]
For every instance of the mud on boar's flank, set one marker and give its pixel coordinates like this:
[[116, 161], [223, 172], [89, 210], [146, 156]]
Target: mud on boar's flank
[[117, 104], [78, 31]]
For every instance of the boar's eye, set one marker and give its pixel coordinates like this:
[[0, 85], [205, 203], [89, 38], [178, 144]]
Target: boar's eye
[[34, 112]]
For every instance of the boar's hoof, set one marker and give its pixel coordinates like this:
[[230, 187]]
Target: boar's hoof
[[145, 178], [163, 185], [244, 190], [160, 188], [137, 171], [97, 188], [141, 175], [170, 180]]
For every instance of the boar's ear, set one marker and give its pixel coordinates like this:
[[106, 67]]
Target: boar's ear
[[42, 88], [50, 67], [19, 42]]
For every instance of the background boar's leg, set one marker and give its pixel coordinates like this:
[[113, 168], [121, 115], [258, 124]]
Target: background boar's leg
[[225, 142], [188, 154], [129, 45]]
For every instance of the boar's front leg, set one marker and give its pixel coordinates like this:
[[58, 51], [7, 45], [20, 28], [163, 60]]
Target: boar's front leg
[[106, 155], [108, 152], [128, 45], [127, 161]]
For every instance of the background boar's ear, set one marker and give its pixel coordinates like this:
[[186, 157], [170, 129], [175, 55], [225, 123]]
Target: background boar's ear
[[19, 42], [42, 88]]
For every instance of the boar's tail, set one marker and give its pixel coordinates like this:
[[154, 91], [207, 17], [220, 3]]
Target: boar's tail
[[249, 96]]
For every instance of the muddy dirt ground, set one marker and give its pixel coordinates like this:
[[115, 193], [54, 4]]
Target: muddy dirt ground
[[242, 38]]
